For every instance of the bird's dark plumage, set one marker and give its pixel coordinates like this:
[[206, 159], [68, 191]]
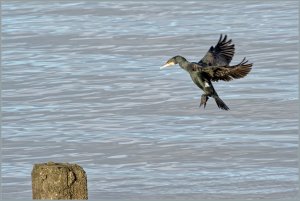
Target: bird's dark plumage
[[226, 73], [219, 55], [213, 67]]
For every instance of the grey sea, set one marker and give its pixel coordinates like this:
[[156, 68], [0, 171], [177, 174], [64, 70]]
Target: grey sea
[[81, 84]]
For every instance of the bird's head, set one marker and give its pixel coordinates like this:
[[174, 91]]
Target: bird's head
[[173, 61]]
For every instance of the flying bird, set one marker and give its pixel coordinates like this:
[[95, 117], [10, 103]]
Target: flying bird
[[214, 66]]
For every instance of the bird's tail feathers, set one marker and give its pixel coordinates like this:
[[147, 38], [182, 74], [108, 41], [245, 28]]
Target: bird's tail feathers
[[220, 103]]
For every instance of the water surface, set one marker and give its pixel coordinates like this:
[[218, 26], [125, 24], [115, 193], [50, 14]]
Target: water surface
[[81, 84]]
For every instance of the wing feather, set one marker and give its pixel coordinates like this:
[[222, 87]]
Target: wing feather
[[219, 55], [227, 73]]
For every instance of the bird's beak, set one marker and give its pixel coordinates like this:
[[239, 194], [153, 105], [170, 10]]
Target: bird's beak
[[167, 64]]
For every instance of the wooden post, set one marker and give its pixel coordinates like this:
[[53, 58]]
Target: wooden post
[[59, 181]]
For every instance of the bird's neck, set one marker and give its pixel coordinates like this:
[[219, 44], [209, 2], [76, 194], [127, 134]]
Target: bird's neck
[[183, 63]]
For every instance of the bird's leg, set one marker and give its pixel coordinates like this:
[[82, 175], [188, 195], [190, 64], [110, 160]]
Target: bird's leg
[[203, 101]]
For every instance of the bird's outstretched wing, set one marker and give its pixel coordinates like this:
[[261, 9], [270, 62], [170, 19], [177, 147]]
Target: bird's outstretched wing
[[227, 73], [219, 55]]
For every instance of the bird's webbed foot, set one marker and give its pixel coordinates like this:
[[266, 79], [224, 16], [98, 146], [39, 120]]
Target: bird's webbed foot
[[203, 101]]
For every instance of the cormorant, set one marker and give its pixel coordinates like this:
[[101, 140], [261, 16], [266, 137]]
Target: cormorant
[[214, 66]]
